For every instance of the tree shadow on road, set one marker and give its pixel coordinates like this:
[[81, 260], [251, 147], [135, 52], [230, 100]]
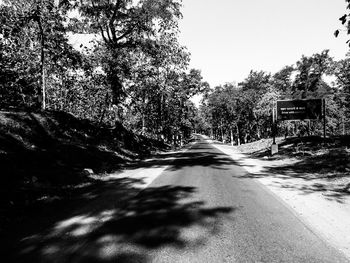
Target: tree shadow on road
[[111, 221], [27, 220], [127, 231], [200, 156]]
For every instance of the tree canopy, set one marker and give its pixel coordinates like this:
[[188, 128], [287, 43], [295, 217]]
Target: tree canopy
[[135, 72], [243, 112]]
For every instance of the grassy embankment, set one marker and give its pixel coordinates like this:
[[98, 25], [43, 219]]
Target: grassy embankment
[[51, 160]]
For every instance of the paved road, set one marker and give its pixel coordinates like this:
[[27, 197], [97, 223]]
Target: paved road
[[236, 219], [202, 208]]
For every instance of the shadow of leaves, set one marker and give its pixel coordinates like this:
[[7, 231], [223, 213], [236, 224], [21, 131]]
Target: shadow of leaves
[[156, 217]]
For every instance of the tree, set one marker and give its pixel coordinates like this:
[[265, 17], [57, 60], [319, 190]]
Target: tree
[[229, 109], [34, 40], [310, 70], [342, 74], [282, 81], [124, 26], [257, 81], [263, 111]]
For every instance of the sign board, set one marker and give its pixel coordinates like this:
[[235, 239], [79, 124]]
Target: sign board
[[299, 109]]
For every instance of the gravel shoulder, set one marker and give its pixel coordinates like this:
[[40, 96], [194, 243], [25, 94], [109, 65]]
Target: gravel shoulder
[[317, 201]]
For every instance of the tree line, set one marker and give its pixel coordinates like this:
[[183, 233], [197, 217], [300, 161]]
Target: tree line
[[242, 112], [133, 71]]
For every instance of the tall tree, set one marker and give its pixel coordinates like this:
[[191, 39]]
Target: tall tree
[[124, 26], [257, 81], [33, 30], [282, 80], [310, 70]]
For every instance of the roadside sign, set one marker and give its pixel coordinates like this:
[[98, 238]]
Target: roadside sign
[[299, 109]]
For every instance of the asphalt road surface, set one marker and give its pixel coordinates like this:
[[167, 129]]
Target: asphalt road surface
[[234, 218], [202, 208]]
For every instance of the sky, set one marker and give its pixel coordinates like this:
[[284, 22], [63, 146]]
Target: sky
[[228, 38]]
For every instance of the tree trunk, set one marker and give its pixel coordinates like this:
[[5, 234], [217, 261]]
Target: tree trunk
[[62, 93], [238, 135], [231, 134], [104, 110], [160, 115], [143, 118], [43, 81], [22, 96], [245, 138], [259, 132], [286, 132], [42, 92], [222, 132], [143, 130]]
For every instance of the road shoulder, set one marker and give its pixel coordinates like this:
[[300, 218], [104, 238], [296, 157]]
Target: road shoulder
[[146, 171], [327, 214]]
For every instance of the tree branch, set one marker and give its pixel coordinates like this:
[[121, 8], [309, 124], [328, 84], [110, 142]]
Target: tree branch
[[103, 35], [128, 32], [111, 39]]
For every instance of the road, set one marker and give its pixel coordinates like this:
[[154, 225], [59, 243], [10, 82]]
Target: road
[[245, 222], [202, 208]]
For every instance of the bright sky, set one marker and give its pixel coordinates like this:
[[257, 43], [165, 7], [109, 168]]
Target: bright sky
[[228, 38]]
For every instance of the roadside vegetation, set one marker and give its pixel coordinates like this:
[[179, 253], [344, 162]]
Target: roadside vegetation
[[128, 68], [241, 113]]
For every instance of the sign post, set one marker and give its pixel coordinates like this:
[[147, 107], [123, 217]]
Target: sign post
[[274, 146], [300, 109], [312, 109]]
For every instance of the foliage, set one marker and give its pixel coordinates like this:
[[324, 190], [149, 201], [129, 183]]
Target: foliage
[[309, 74], [282, 80], [135, 71], [33, 37], [244, 113], [345, 21]]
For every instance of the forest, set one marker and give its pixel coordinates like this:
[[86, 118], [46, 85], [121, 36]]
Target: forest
[[133, 71]]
